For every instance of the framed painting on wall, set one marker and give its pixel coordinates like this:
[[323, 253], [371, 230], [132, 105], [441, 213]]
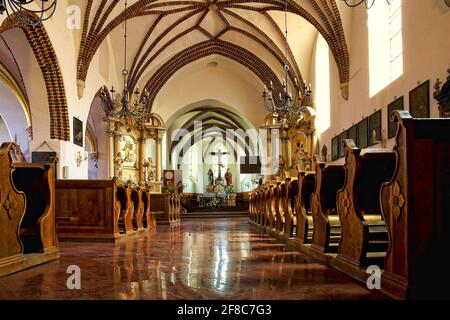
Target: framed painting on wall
[[341, 139], [334, 149], [395, 105], [352, 133], [362, 133], [419, 101], [77, 132], [375, 128]]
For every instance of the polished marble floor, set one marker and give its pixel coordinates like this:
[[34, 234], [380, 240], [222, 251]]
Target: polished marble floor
[[199, 259]]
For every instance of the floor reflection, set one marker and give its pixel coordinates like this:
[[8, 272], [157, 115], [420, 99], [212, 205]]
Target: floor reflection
[[209, 259]]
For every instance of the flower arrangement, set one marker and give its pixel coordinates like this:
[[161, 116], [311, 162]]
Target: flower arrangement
[[213, 204], [228, 189]]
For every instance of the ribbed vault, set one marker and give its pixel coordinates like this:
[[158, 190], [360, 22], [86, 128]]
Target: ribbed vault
[[172, 33]]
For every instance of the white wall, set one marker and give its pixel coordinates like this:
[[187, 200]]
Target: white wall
[[426, 47]]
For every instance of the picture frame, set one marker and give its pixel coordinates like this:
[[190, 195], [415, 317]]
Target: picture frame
[[352, 133], [374, 132], [341, 139], [397, 104], [362, 128], [334, 149], [419, 101], [77, 132]]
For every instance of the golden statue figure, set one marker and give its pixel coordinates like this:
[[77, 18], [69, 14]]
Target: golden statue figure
[[150, 171], [118, 165]]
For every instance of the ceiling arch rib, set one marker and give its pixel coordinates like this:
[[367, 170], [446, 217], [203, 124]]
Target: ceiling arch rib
[[207, 48], [215, 132], [229, 130], [215, 122], [152, 51]]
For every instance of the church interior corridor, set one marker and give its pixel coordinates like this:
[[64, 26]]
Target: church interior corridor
[[212, 259], [154, 152]]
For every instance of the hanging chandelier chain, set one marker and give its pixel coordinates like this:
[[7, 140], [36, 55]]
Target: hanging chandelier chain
[[125, 71], [289, 106], [129, 106]]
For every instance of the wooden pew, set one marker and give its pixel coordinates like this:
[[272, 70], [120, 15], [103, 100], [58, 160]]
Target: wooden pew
[[251, 199], [138, 209], [265, 210], [159, 206], [279, 205], [126, 208], [327, 229], [305, 225], [259, 205], [290, 225], [174, 208], [88, 210], [179, 207], [364, 239], [149, 219], [262, 206], [272, 219], [416, 207], [27, 213]]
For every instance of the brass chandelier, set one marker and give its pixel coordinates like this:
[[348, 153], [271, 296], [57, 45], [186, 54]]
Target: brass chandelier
[[26, 15], [128, 106], [288, 106]]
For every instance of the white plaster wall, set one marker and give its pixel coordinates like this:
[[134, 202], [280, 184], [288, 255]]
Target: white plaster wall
[[426, 47]]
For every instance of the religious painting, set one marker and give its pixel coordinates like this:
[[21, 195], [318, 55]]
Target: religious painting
[[334, 149], [352, 133], [375, 128], [77, 132], [395, 105], [128, 150], [419, 101], [341, 139], [362, 133]]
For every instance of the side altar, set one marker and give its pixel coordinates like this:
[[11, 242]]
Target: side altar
[[128, 161]]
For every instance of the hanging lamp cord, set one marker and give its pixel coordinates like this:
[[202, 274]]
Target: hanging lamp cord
[[125, 71]]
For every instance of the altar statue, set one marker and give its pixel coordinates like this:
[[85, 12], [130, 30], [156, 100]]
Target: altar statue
[[150, 171], [229, 177], [118, 165], [281, 166], [298, 160], [210, 177]]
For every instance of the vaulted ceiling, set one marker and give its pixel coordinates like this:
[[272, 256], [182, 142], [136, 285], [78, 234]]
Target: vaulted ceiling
[[164, 36], [209, 124]]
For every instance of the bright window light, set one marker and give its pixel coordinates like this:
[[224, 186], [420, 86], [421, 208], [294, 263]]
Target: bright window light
[[385, 44], [322, 85]]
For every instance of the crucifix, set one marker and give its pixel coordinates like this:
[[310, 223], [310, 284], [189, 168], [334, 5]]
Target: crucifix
[[219, 155]]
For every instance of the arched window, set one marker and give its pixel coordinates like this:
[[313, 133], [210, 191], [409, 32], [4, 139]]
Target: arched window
[[322, 85], [385, 44]]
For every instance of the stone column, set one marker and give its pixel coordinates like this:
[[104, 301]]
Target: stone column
[[110, 155], [158, 158]]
